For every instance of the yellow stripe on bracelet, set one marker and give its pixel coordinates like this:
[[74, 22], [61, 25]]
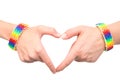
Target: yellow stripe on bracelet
[[15, 35], [106, 35]]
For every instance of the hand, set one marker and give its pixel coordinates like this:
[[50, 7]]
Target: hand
[[88, 46], [30, 48]]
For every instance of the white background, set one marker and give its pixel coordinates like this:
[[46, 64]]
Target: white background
[[62, 15]]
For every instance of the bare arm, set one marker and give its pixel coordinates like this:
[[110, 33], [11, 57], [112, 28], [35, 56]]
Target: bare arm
[[89, 44], [6, 29], [30, 51], [115, 31]]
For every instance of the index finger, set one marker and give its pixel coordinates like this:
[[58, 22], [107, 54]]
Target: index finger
[[69, 58], [47, 60]]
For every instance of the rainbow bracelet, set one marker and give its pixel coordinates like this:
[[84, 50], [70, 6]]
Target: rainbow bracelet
[[106, 35], [15, 35]]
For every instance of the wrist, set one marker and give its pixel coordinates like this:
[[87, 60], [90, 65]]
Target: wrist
[[15, 35], [115, 31], [108, 39], [10, 31]]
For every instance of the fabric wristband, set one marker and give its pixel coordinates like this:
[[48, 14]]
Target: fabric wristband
[[16, 34], [106, 35]]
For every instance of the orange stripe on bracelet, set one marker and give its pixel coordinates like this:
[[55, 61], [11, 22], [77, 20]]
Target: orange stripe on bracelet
[[106, 35], [15, 35]]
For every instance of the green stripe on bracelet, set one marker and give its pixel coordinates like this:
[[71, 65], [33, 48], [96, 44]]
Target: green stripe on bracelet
[[15, 35], [106, 35]]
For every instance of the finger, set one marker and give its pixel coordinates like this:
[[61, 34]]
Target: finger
[[73, 52], [72, 32], [34, 55], [78, 59], [49, 31], [28, 59], [47, 60], [20, 56], [36, 58], [24, 57], [69, 58]]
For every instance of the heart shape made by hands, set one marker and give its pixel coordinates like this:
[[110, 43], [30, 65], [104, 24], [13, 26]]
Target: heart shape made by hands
[[57, 49]]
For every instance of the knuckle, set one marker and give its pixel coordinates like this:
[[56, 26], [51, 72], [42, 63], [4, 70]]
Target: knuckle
[[83, 57], [65, 64], [27, 59], [69, 32], [22, 59], [79, 52], [33, 55], [92, 60], [38, 50], [49, 64], [52, 29]]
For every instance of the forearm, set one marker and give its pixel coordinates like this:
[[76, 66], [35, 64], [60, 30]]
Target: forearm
[[6, 29], [115, 31]]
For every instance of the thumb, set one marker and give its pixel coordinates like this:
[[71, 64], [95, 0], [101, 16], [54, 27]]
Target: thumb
[[49, 31], [71, 33]]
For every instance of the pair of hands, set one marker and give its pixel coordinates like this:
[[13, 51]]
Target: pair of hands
[[88, 46]]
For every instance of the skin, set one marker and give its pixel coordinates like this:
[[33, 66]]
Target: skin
[[35, 51], [89, 44], [30, 52]]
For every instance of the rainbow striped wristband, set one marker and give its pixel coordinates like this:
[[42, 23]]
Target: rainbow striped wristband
[[15, 35], [106, 35]]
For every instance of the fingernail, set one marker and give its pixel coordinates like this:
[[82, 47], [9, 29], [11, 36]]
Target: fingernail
[[58, 34], [64, 36]]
